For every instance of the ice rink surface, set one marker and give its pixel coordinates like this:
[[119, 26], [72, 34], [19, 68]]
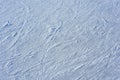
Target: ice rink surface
[[59, 39]]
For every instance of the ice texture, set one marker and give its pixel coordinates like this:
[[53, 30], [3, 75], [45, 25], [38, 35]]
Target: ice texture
[[59, 39]]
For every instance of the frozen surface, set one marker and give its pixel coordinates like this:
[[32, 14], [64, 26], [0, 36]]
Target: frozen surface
[[59, 39]]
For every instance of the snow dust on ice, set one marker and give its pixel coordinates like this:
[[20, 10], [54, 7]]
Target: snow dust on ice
[[59, 39]]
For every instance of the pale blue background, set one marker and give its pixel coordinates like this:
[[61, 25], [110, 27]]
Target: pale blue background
[[59, 39]]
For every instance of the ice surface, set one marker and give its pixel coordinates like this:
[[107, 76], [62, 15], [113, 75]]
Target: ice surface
[[59, 39]]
